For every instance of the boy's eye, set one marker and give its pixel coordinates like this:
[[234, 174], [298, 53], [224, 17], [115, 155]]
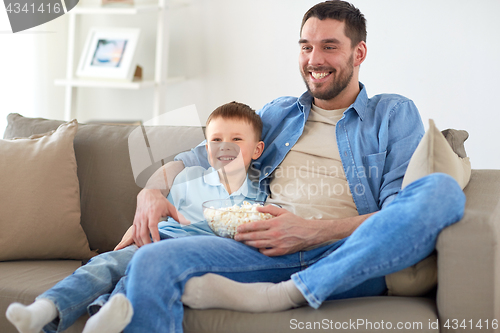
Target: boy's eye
[[237, 139], [215, 139]]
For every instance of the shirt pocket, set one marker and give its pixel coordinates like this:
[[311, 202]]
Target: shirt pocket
[[373, 170]]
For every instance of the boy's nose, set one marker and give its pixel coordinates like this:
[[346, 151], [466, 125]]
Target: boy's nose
[[225, 146]]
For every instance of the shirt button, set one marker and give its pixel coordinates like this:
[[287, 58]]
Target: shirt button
[[267, 173], [287, 144]]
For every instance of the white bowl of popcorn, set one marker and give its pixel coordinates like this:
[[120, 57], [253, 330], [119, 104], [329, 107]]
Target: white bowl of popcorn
[[224, 216]]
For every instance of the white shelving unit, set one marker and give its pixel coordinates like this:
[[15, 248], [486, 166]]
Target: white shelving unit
[[72, 83]]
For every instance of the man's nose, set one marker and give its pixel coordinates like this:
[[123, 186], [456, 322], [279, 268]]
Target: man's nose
[[316, 57]]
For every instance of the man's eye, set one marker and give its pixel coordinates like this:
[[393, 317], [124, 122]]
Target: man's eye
[[330, 47], [306, 48]]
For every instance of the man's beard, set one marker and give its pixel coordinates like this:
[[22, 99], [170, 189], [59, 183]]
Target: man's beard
[[338, 85]]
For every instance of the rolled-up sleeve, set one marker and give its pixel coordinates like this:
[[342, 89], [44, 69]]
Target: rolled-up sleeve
[[194, 157]]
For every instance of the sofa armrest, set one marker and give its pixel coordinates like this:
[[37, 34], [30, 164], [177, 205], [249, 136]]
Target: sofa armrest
[[469, 260]]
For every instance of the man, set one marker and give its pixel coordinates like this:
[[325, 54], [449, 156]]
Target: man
[[352, 228]]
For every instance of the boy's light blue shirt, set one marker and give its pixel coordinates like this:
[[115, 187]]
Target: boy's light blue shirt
[[376, 138], [191, 188]]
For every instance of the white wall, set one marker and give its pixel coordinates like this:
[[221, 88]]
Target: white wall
[[17, 72], [443, 54]]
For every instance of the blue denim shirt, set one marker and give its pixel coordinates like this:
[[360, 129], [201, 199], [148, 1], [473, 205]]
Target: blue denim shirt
[[376, 138]]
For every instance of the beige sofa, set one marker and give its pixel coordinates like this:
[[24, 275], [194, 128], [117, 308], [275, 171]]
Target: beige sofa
[[468, 292]]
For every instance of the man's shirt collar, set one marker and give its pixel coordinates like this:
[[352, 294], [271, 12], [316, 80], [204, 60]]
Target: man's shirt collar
[[359, 105]]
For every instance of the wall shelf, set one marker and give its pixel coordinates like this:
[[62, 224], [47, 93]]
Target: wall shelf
[[135, 84], [72, 83]]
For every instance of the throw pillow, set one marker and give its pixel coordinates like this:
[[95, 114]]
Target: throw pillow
[[437, 152], [40, 198], [107, 185]]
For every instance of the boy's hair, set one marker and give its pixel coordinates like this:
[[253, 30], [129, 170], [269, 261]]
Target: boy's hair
[[239, 111], [355, 23]]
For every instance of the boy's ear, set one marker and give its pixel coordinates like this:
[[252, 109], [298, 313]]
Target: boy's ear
[[258, 150]]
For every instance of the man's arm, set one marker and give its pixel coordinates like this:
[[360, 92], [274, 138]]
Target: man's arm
[[152, 205], [288, 233]]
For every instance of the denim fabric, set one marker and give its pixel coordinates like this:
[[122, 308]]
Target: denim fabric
[[394, 238], [376, 138], [75, 293], [90, 286]]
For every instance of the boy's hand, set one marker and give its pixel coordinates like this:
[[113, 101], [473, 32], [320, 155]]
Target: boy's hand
[[127, 239]]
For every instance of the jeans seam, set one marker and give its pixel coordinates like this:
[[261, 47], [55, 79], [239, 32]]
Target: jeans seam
[[308, 295], [62, 314]]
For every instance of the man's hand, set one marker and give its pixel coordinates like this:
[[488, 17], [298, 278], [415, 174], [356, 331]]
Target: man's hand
[[152, 206], [288, 233]]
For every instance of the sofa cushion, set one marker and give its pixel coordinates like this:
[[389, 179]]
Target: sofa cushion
[[108, 189], [39, 198], [23, 281], [348, 315]]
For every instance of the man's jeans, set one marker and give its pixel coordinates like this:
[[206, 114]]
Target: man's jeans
[[399, 236], [88, 287]]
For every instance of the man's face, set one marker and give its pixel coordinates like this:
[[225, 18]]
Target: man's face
[[326, 58], [231, 144]]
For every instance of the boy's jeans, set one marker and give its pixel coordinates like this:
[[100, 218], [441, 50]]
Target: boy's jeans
[[399, 236], [88, 287]]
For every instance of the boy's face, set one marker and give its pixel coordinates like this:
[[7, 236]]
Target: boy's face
[[231, 144]]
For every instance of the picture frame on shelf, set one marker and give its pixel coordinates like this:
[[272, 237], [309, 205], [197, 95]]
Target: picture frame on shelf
[[109, 53]]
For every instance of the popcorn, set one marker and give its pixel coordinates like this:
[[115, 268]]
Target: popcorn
[[224, 221]]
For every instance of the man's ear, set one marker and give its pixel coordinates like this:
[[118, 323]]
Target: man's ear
[[360, 51], [258, 150]]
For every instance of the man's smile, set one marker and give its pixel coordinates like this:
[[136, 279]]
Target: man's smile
[[320, 75]]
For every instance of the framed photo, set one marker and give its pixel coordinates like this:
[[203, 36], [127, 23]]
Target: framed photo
[[109, 53]]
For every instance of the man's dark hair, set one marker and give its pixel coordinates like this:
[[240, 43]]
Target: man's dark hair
[[355, 23], [238, 111]]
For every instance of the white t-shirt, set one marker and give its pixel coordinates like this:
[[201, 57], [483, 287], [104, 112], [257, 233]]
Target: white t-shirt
[[310, 181]]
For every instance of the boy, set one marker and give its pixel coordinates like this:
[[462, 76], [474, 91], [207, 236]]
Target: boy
[[233, 134]]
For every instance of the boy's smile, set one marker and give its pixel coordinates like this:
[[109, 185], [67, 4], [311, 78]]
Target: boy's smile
[[225, 152]]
